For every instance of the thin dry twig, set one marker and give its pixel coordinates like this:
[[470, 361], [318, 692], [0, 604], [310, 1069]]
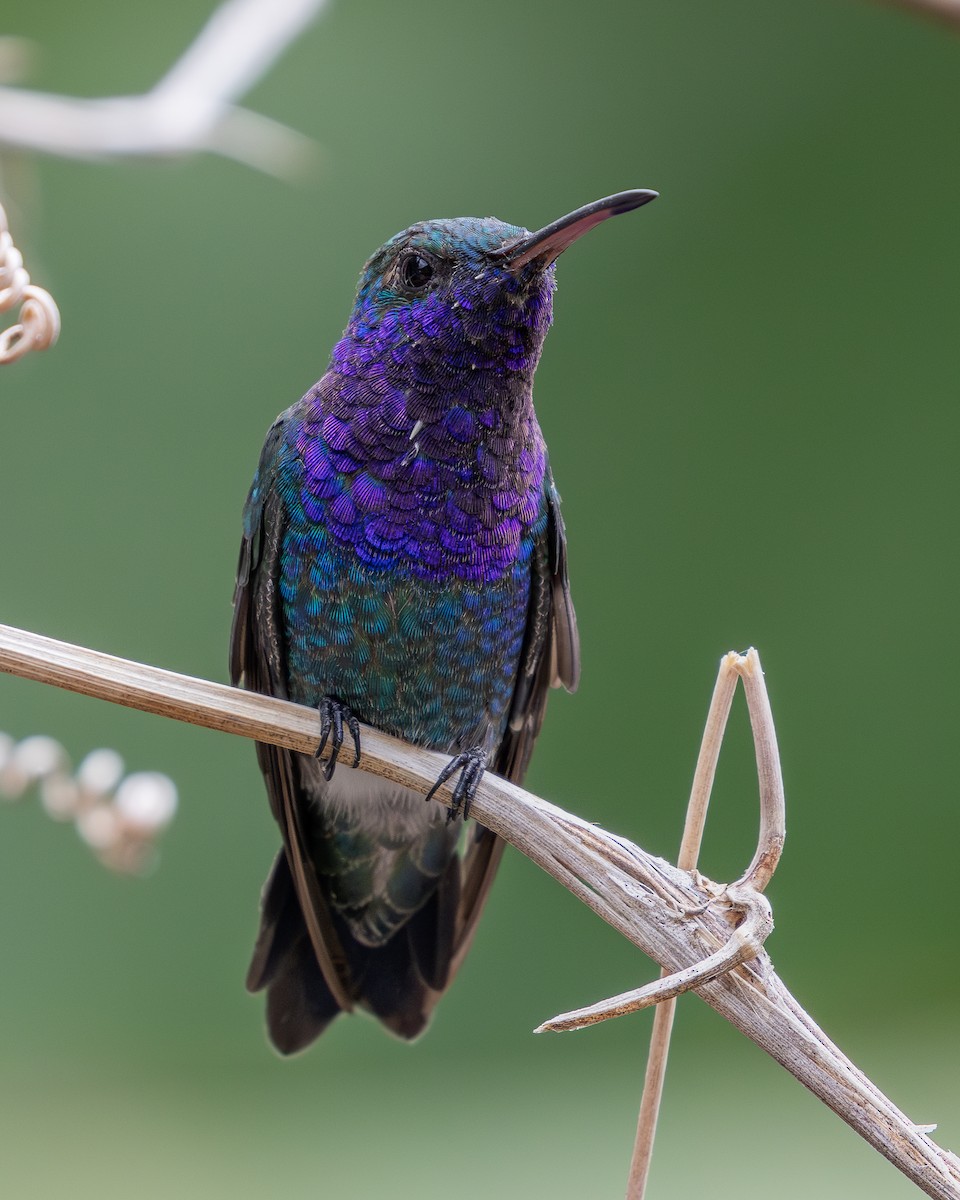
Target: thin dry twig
[[662, 910], [748, 938], [191, 109], [693, 828]]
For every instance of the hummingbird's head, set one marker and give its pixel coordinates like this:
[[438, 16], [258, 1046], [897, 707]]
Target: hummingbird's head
[[468, 297], [442, 292]]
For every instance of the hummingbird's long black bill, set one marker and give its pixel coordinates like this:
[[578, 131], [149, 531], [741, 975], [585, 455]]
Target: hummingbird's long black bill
[[548, 243]]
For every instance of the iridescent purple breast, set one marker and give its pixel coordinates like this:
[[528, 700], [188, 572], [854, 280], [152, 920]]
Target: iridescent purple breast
[[456, 497]]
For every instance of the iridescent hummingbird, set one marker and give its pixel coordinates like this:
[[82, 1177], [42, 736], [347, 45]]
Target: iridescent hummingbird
[[404, 564]]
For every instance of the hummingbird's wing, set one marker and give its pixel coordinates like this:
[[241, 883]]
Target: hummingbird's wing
[[551, 650], [550, 658], [257, 656]]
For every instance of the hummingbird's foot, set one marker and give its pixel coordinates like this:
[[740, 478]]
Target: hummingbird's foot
[[471, 764], [333, 715]]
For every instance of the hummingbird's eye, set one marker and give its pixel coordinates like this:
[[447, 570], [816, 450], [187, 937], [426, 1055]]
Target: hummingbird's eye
[[415, 271]]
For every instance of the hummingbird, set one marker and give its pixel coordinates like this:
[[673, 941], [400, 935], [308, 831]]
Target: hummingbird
[[404, 564]]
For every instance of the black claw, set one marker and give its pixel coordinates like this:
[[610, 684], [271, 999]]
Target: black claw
[[442, 778], [337, 742], [471, 764], [332, 717], [354, 726], [324, 728]]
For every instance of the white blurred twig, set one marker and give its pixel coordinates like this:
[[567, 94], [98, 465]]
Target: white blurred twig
[[192, 107], [119, 818], [676, 917], [941, 10]]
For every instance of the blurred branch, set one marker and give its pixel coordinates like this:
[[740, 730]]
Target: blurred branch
[[675, 917], [191, 109], [942, 10]]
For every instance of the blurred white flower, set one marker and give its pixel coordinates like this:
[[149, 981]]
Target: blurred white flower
[[119, 818]]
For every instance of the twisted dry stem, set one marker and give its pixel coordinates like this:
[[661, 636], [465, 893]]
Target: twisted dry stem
[[744, 944], [743, 896], [661, 909], [39, 325]]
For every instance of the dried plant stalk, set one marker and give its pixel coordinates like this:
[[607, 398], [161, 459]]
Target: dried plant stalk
[[661, 909], [694, 824]]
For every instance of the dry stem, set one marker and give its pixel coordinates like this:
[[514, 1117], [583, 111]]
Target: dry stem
[[696, 819], [652, 903]]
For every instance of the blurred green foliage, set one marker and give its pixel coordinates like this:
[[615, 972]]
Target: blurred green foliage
[[751, 406]]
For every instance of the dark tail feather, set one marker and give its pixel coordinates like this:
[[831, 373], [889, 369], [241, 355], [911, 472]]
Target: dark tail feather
[[398, 982], [431, 931], [278, 929], [299, 1003]]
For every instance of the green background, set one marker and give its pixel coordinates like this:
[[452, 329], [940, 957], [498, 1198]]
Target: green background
[[751, 404]]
